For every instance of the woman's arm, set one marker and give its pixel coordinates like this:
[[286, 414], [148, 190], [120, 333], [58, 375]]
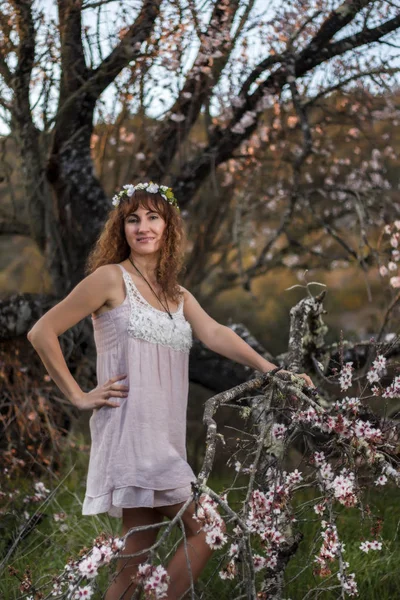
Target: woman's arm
[[91, 293], [49, 349], [220, 338], [225, 341], [228, 343]]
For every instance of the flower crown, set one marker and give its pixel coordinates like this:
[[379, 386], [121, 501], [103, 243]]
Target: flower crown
[[153, 188]]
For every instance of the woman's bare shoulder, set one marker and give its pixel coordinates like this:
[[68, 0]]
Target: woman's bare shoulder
[[109, 272], [111, 280], [184, 291]]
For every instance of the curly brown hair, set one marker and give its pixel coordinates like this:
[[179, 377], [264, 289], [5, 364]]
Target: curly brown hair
[[112, 247]]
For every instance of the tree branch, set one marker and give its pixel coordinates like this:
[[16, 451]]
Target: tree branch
[[212, 57], [224, 142], [127, 50], [74, 69]]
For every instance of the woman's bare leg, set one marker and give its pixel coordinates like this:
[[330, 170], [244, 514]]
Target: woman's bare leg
[[198, 552], [122, 586]]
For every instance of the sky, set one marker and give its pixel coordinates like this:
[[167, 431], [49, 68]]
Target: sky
[[255, 50]]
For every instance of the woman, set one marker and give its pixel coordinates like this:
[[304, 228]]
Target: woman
[[143, 323]]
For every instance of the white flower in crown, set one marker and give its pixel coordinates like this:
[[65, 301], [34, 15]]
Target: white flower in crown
[[130, 189], [151, 187]]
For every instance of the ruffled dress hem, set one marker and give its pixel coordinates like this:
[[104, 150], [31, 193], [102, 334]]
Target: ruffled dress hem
[[133, 497]]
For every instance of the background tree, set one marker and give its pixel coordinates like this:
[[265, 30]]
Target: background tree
[[61, 71], [245, 113]]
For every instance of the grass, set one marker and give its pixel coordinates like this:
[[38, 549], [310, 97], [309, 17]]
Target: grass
[[377, 573], [46, 549]]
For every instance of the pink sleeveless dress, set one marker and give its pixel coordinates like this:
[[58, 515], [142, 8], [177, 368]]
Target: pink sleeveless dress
[[138, 450]]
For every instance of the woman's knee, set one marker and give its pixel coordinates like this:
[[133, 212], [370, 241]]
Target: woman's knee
[[142, 515], [144, 538]]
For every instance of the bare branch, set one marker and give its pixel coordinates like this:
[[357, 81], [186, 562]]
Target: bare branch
[[213, 55], [127, 50], [224, 142], [74, 69]]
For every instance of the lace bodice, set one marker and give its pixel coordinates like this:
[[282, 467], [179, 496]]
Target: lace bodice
[[153, 325]]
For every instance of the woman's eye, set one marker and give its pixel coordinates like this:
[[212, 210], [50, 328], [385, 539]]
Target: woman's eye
[[136, 221]]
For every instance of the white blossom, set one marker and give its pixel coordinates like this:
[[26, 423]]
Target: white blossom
[[279, 431], [367, 546], [381, 480]]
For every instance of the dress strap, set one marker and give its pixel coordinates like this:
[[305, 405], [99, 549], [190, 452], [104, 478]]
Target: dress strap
[[122, 268]]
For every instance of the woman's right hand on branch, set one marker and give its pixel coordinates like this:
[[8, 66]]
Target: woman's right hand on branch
[[102, 394]]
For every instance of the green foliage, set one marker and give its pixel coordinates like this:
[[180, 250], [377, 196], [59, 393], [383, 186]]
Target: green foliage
[[46, 549], [377, 573]]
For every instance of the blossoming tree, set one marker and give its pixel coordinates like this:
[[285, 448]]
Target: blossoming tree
[[345, 449], [64, 72], [70, 65]]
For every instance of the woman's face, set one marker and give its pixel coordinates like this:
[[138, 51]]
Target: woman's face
[[144, 230]]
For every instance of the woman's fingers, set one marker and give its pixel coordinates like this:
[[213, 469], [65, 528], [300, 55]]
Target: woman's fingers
[[304, 376], [307, 379], [117, 378], [113, 404], [111, 392], [120, 391]]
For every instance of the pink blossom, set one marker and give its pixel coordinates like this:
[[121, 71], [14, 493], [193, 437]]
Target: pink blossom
[[229, 571], [343, 489], [156, 582], [372, 376], [383, 271], [88, 568], [393, 390], [349, 584], [61, 516], [272, 535], [363, 429], [293, 478], [233, 550], [354, 132], [319, 508], [395, 282], [382, 480], [330, 547], [279, 431], [41, 490], [319, 458], [367, 546], [260, 562], [84, 592], [346, 376], [207, 514], [144, 570], [379, 363], [216, 539], [326, 471]]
